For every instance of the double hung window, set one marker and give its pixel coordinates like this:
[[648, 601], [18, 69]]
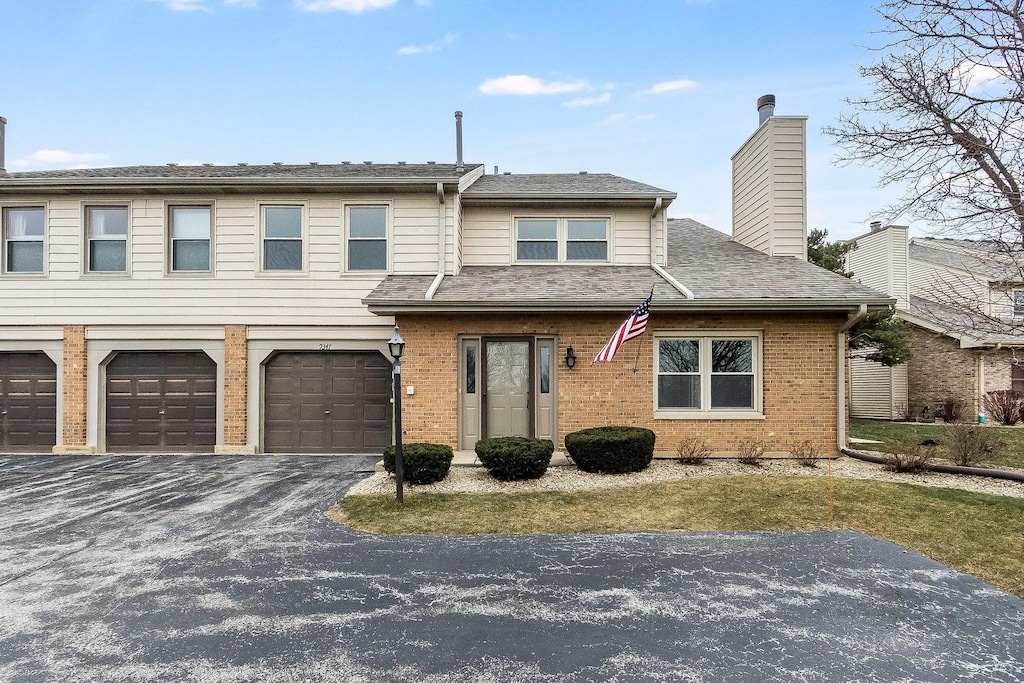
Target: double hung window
[[24, 232], [708, 373], [561, 239], [282, 238], [107, 228], [190, 239], [367, 238], [1018, 303]]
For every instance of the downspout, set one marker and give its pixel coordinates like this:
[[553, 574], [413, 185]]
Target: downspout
[[654, 249], [432, 289], [854, 318]]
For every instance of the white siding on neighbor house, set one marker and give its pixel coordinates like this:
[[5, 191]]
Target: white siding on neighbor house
[[488, 232], [770, 188], [945, 285], [881, 261], [236, 292], [876, 391]]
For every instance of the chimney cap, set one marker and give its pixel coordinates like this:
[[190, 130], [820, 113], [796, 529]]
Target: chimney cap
[[876, 226], [765, 100]]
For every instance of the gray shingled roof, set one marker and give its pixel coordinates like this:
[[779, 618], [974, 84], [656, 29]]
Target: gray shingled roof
[[721, 274], [579, 185], [963, 323], [986, 259], [275, 171]]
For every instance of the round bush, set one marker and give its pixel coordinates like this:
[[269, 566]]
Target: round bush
[[611, 450], [422, 463], [511, 458]]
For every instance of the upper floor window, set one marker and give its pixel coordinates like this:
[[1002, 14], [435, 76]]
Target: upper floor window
[[1018, 302], [562, 239], [367, 238], [282, 238], [190, 238], [107, 227], [23, 229], [707, 373]]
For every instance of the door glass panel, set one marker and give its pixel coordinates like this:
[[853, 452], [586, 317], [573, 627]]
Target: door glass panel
[[545, 370], [470, 369], [508, 388]]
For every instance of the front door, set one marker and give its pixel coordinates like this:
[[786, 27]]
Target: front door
[[507, 387]]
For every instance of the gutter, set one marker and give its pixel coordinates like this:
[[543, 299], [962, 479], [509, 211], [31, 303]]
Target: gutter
[[654, 248], [432, 289], [854, 318], [417, 305], [1009, 475]]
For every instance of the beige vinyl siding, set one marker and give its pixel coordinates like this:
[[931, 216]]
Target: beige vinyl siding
[[876, 391], [880, 261], [488, 232], [770, 188], [415, 233], [237, 293], [946, 285], [456, 263]]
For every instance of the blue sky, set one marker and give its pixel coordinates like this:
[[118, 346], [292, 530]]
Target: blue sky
[[660, 91]]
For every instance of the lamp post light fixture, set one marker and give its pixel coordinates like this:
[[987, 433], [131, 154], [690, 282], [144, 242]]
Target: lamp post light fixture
[[570, 358], [396, 346]]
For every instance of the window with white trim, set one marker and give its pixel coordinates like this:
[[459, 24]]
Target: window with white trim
[[708, 373], [561, 239], [1018, 302], [189, 238], [367, 238], [107, 228], [282, 237], [24, 233]]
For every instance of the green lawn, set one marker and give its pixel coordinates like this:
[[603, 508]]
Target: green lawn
[[1011, 455], [978, 534]]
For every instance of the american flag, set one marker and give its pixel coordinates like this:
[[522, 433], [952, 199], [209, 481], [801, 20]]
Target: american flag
[[634, 326]]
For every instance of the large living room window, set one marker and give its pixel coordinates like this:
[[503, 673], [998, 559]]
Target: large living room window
[[24, 230], [282, 238], [561, 239], [108, 238], [713, 375]]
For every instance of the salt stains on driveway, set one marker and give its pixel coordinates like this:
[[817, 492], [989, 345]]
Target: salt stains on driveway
[[226, 569]]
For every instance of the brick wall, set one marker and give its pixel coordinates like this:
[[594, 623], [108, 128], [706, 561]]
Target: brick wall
[[75, 386], [236, 369], [799, 362], [940, 369]]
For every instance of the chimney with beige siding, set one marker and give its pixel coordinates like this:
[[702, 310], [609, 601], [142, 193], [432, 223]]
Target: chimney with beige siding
[[769, 185]]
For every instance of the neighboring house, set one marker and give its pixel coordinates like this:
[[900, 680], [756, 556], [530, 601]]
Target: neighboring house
[[240, 309], [964, 300]]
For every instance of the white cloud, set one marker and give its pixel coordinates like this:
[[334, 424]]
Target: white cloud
[[436, 46], [527, 85], [670, 86], [248, 4], [350, 6], [614, 118], [185, 5], [588, 101], [60, 158], [646, 117]]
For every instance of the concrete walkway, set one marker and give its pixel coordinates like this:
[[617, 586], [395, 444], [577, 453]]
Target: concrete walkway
[[226, 569]]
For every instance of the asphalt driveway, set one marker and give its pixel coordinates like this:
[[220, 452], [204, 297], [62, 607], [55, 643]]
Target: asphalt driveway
[[226, 569]]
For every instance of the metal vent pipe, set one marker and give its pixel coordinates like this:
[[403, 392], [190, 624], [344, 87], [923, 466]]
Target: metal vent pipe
[[765, 108], [459, 168], [3, 125]]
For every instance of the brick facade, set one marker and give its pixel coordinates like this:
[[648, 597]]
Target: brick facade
[[799, 376], [940, 369], [236, 374], [76, 389]]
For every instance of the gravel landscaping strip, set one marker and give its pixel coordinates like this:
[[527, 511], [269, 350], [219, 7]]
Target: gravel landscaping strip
[[476, 479]]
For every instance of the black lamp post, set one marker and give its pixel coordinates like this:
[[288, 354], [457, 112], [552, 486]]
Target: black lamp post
[[396, 345]]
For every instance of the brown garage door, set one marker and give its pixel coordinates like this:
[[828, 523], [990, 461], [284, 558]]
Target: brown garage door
[[28, 403], [161, 402], [327, 403]]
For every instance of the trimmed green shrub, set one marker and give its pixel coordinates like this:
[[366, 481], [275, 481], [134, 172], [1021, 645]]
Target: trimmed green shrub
[[511, 458], [611, 450], [422, 463]]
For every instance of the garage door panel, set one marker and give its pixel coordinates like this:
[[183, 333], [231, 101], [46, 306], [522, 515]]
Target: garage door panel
[[161, 401], [28, 403], [314, 402]]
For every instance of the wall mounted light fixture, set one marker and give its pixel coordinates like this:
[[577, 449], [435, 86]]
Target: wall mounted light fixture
[[570, 358]]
